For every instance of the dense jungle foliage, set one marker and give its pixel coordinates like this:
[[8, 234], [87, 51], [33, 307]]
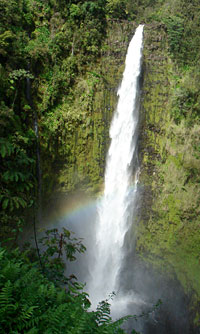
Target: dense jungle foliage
[[34, 301], [50, 51], [45, 44], [45, 47]]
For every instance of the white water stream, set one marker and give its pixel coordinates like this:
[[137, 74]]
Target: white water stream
[[115, 211]]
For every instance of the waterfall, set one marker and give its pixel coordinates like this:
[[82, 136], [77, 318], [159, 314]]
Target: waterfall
[[115, 212]]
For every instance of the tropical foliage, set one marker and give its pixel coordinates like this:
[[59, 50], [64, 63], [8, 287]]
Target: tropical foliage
[[51, 56], [31, 303], [43, 46]]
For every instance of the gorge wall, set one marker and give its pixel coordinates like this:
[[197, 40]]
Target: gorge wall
[[168, 233], [168, 229], [87, 120], [70, 57]]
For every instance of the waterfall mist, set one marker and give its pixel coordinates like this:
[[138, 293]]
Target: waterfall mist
[[108, 226], [115, 211]]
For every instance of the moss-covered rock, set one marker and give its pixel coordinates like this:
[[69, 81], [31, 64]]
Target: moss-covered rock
[[168, 233], [83, 119]]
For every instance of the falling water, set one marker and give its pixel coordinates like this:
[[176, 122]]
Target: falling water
[[114, 211]]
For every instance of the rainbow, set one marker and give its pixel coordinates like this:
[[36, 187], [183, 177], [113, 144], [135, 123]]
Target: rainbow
[[73, 208]]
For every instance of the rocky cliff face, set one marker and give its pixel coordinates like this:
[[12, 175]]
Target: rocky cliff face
[[168, 233], [88, 116]]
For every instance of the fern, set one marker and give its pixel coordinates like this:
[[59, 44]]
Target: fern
[[31, 304], [2, 252], [33, 331], [11, 271], [24, 318], [6, 147]]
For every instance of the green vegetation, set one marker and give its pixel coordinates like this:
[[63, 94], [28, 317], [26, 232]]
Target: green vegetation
[[169, 234], [60, 64], [48, 43], [34, 301]]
